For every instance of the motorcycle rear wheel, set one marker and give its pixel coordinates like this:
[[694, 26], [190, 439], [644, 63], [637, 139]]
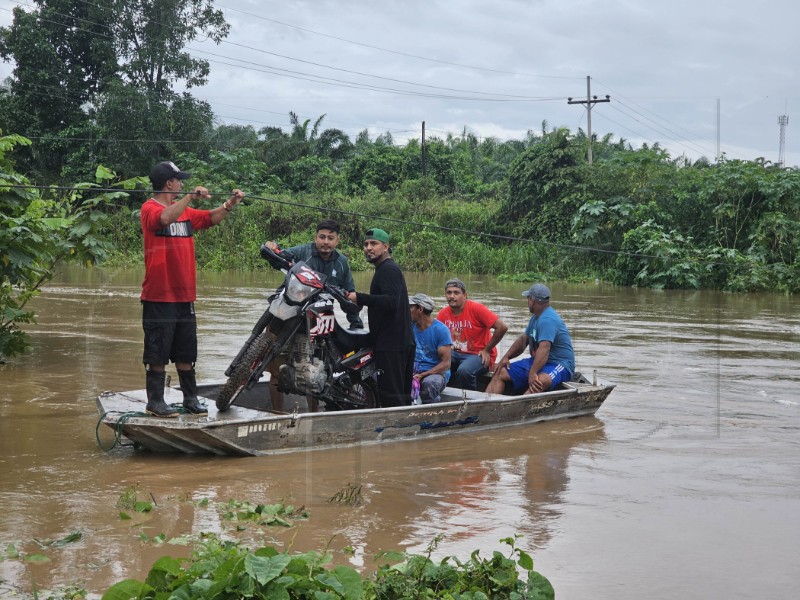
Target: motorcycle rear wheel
[[241, 374], [363, 394], [368, 390]]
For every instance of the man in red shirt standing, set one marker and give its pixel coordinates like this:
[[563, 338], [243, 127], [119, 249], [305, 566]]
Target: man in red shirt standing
[[474, 343], [169, 286]]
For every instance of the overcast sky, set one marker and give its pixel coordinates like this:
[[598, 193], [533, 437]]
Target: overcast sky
[[501, 67]]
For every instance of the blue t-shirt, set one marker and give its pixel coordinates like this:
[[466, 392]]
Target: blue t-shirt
[[428, 344], [549, 327]]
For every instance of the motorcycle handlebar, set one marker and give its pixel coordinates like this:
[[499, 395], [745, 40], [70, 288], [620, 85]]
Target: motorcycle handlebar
[[281, 262], [341, 295], [274, 259]]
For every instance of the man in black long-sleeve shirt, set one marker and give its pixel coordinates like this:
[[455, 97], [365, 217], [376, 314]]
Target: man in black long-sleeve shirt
[[389, 321]]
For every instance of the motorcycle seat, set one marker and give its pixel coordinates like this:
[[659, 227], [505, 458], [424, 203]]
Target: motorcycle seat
[[352, 338]]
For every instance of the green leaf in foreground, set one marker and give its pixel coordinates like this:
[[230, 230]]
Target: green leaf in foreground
[[127, 589], [263, 568], [223, 569]]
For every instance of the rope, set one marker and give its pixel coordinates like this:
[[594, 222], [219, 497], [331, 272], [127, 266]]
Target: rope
[[120, 423], [121, 420]]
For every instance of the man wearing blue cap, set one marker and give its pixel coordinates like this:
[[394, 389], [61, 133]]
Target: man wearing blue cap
[[389, 321], [552, 359]]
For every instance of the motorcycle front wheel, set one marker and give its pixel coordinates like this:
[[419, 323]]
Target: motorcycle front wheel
[[260, 347]]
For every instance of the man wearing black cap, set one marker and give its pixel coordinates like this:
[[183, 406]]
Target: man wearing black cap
[[389, 321], [552, 359], [169, 286]]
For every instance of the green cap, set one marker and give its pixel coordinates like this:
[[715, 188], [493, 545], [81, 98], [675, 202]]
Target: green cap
[[377, 234]]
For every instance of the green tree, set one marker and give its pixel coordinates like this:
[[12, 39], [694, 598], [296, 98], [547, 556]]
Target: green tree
[[318, 149], [138, 128], [545, 188], [64, 55], [380, 166], [151, 37], [37, 232], [85, 70], [228, 138]]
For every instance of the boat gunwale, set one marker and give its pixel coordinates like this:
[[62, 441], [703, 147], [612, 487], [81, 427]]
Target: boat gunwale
[[205, 422]]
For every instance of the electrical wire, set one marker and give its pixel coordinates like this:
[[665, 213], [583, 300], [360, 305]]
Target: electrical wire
[[418, 226], [424, 58]]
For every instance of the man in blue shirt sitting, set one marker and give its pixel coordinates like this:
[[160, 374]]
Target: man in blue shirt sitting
[[432, 359], [552, 359]]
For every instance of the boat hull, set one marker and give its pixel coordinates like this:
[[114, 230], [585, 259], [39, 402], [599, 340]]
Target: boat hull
[[244, 430]]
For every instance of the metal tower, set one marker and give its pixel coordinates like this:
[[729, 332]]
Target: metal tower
[[783, 121]]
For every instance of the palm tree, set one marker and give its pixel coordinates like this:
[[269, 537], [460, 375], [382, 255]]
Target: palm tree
[[279, 148]]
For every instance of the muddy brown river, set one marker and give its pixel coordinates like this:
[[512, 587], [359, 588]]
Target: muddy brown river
[[686, 484]]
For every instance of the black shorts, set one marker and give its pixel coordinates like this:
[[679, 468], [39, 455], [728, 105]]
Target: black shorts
[[170, 332]]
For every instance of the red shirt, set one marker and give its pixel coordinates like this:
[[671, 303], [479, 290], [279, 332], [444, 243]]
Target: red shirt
[[472, 329], [169, 262]]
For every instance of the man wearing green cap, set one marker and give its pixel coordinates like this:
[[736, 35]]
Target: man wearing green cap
[[389, 321]]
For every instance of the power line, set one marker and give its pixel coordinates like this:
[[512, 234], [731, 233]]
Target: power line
[[415, 224], [258, 67], [363, 45], [666, 132], [316, 64], [621, 100], [493, 97]]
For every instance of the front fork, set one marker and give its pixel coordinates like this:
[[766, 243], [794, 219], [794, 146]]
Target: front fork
[[283, 331], [260, 327]]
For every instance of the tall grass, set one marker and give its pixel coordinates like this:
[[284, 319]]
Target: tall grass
[[428, 235]]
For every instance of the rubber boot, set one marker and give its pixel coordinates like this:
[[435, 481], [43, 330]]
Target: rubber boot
[[189, 389], [155, 396]]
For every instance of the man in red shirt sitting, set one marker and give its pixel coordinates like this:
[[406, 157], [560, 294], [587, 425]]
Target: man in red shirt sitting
[[474, 343]]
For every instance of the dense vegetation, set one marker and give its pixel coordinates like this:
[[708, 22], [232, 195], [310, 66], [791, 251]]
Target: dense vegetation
[[531, 208], [222, 566]]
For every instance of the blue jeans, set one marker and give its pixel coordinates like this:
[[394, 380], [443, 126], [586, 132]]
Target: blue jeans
[[464, 369]]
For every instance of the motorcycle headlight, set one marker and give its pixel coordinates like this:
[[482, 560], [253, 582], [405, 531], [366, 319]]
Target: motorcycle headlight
[[297, 291]]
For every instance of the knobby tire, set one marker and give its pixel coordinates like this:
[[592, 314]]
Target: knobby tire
[[238, 379], [364, 394]]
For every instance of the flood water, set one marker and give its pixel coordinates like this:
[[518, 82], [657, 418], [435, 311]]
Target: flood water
[[686, 484]]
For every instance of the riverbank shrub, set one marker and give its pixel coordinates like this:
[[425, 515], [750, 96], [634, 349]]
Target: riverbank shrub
[[635, 217], [40, 228]]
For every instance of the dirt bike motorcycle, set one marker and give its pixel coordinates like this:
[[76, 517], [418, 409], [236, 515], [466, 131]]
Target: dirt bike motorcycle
[[318, 358]]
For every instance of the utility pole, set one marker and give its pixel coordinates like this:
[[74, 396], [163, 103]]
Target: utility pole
[[424, 153], [589, 102], [783, 121]]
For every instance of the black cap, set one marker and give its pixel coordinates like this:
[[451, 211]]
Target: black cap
[[163, 172]]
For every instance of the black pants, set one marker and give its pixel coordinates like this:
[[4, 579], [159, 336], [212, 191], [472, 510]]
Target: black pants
[[394, 382], [170, 332]]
